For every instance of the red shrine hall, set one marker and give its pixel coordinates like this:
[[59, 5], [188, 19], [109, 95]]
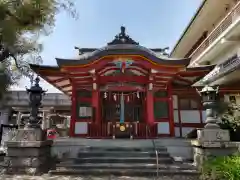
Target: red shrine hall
[[125, 90]]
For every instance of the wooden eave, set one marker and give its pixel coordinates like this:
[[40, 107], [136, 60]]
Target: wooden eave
[[54, 76], [192, 74], [84, 79]]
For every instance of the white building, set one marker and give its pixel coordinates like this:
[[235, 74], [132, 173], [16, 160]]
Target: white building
[[213, 37]]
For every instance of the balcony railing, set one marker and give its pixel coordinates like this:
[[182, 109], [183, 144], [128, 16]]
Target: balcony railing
[[223, 69], [218, 30]]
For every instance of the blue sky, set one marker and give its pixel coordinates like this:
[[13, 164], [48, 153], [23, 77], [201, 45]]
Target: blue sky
[[153, 23]]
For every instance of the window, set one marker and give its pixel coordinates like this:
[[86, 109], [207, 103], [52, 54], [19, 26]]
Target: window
[[84, 94], [85, 112], [184, 104], [160, 94], [188, 103], [160, 109]]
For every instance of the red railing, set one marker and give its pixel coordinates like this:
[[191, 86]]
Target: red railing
[[97, 130], [105, 131], [218, 30]]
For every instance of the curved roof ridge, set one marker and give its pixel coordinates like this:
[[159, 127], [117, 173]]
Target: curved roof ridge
[[124, 47]]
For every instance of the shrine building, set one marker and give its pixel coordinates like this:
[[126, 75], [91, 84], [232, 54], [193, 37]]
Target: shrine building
[[125, 90]]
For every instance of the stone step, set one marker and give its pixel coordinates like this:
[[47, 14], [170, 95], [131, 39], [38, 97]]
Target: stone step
[[128, 160], [110, 165], [122, 148], [125, 172], [116, 159], [121, 154]]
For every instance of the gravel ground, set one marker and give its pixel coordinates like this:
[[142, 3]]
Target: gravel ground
[[45, 177]]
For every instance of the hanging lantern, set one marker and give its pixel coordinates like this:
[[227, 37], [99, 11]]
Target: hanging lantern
[[115, 97], [128, 98], [138, 96], [105, 95]]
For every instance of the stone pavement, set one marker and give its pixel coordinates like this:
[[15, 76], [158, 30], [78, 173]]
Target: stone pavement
[[46, 177]]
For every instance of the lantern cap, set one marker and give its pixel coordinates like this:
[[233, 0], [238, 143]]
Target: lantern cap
[[36, 88], [209, 89]]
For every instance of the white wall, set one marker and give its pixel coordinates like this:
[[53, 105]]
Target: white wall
[[175, 102], [186, 116], [81, 128], [175, 116], [190, 116], [163, 128]]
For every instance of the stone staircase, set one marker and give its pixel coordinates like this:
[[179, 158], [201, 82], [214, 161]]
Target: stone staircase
[[122, 161]]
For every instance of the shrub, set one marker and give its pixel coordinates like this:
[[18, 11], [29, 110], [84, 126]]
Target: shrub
[[230, 116], [221, 168]]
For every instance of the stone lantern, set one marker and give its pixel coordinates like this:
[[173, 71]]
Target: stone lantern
[[210, 103], [212, 141], [35, 98], [30, 151]]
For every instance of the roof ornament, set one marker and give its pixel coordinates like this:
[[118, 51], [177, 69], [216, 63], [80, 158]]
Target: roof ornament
[[123, 29], [123, 38], [164, 51]]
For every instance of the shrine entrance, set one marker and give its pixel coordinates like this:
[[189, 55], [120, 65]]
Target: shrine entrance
[[123, 106], [121, 111]]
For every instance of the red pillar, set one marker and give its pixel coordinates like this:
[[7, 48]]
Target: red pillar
[[171, 113], [74, 111], [150, 107], [95, 105]]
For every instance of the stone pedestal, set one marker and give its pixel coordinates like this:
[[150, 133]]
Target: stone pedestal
[[213, 135], [211, 143], [28, 153]]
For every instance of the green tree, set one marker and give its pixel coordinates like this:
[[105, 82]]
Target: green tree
[[22, 22]]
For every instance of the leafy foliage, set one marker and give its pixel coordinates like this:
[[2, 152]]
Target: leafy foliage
[[231, 116], [22, 22], [221, 168]]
